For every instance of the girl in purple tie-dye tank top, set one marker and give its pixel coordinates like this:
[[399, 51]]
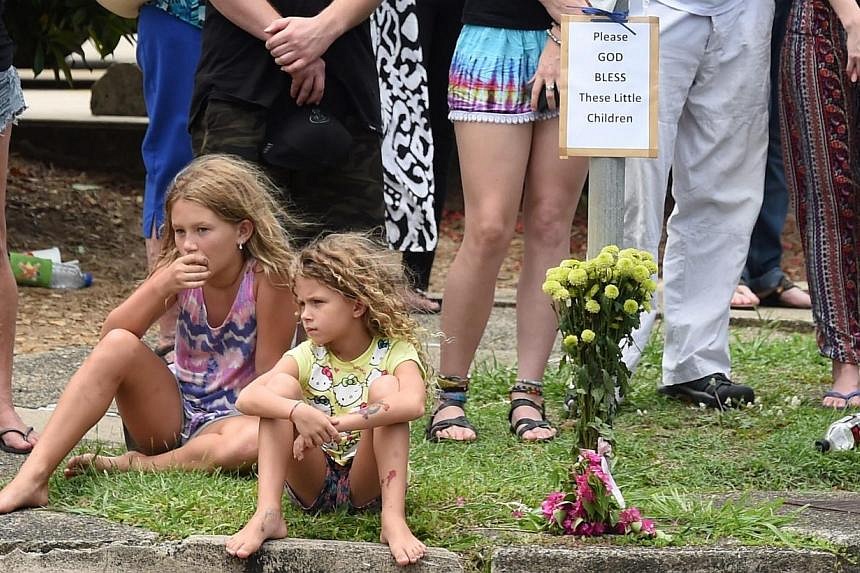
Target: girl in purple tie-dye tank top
[[214, 362], [224, 261]]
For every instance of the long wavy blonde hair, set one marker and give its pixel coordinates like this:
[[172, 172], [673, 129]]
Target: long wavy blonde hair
[[235, 190], [359, 269]]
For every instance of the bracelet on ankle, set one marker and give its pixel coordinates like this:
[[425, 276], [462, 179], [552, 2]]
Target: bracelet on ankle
[[453, 383], [451, 396], [533, 387]]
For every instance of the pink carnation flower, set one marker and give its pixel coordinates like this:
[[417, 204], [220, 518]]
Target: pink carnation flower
[[630, 515], [648, 527], [591, 529], [583, 490], [567, 524], [593, 458], [549, 505]]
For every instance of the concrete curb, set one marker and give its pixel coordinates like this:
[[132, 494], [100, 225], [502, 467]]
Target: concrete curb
[[676, 560], [43, 541]]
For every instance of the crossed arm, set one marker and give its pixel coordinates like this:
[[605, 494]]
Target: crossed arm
[[276, 395], [297, 44]]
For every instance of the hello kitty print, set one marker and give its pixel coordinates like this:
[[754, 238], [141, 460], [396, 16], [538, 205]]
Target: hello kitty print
[[337, 387]]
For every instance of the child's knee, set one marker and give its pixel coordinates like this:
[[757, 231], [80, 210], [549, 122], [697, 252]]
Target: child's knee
[[118, 339], [382, 387]]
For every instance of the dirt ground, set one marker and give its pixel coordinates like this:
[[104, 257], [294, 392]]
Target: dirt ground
[[95, 218]]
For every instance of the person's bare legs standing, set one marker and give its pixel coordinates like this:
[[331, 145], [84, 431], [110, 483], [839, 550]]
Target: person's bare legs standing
[[8, 310]]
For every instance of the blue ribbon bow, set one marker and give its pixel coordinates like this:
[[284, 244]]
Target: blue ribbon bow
[[617, 17]]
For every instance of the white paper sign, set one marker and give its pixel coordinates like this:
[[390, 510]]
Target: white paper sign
[[609, 95]]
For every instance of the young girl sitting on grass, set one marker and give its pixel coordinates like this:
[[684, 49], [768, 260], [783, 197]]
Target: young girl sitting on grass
[[224, 261], [335, 411]]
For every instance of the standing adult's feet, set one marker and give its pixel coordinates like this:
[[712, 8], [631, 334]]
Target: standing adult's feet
[[21, 438], [846, 383]]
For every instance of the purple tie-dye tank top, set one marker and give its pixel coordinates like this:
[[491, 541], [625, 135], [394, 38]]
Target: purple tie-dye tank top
[[214, 362]]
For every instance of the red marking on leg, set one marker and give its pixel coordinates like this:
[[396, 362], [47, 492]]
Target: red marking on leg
[[391, 475]]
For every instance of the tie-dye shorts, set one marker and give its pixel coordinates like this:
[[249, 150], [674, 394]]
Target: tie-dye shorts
[[490, 73]]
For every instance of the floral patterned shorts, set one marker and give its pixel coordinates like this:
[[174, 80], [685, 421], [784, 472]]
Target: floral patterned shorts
[[335, 492]]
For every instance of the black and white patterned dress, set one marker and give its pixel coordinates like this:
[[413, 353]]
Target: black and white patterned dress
[[407, 146]]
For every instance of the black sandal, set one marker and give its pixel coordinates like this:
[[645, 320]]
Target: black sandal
[[452, 392], [773, 297], [523, 425]]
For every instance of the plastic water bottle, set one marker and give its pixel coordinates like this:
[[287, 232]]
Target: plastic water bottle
[[69, 275], [35, 271], [842, 435]]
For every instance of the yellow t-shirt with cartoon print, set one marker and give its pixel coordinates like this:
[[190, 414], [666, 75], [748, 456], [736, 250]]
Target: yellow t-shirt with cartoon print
[[336, 387]]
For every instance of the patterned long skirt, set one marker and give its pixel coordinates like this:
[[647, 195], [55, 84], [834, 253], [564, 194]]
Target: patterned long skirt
[[819, 114]]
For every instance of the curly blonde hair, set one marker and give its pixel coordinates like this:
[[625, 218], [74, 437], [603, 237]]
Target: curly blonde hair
[[235, 190], [359, 269]]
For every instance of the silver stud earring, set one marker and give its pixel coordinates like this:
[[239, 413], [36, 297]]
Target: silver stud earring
[[241, 246]]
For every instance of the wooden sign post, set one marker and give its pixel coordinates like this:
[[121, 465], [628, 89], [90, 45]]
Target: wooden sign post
[[608, 108]]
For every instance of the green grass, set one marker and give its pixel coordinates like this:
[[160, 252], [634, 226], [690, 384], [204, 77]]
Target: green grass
[[674, 461]]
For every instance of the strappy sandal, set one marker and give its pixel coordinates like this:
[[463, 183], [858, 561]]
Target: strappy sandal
[[523, 425], [452, 392], [773, 297]]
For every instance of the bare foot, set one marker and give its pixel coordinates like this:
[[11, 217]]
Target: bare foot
[[846, 379], [80, 464], [417, 301], [743, 297], [263, 525], [404, 546], [9, 418], [453, 433], [21, 493], [795, 298], [520, 412]]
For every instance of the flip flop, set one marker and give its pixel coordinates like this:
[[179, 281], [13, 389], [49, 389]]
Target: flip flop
[[24, 435], [841, 396]]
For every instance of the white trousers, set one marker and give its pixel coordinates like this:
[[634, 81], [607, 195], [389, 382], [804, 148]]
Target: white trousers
[[713, 100]]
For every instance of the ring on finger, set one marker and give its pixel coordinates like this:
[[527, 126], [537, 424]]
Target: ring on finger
[[550, 86]]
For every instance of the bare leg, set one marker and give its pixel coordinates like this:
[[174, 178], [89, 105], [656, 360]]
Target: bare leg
[[552, 193], [121, 366], [380, 468], [229, 444], [846, 379], [493, 161], [276, 466], [8, 309]]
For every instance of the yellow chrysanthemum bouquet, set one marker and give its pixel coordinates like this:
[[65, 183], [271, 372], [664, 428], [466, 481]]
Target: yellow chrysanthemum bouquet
[[598, 303]]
